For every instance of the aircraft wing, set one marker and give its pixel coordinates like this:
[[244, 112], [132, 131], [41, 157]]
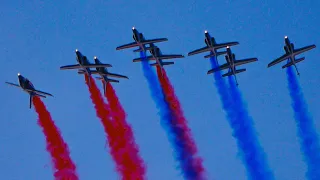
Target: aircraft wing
[[222, 67], [201, 50], [76, 66], [141, 59], [278, 60], [222, 45], [12, 84], [173, 56], [96, 65], [304, 49], [244, 61], [130, 45], [154, 40], [116, 75]]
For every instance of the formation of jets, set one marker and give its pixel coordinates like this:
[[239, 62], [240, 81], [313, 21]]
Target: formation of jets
[[84, 66]]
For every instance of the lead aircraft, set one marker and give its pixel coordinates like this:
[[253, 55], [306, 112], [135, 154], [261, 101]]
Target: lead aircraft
[[140, 41], [83, 64], [290, 54], [26, 85], [104, 74], [212, 46], [231, 64]]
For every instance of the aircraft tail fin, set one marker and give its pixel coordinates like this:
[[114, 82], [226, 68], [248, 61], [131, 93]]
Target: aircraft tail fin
[[30, 101], [163, 63], [231, 73], [291, 63]]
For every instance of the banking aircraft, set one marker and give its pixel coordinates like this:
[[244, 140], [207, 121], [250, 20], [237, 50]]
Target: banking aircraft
[[231, 64], [157, 55], [104, 74], [290, 54], [140, 41], [83, 64], [28, 87], [212, 46]]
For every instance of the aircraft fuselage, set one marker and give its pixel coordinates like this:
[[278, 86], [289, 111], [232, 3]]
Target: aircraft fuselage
[[289, 48], [210, 42], [25, 83], [231, 58], [138, 37], [156, 52], [82, 60]]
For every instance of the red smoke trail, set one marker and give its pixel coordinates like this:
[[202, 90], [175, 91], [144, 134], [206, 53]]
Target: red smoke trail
[[126, 141], [195, 163], [64, 168], [112, 131]]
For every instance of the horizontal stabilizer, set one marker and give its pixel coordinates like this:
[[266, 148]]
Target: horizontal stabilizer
[[84, 72], [38, 92], [163, 63], [116, 75], [231, 73], [209, 55], [137, 50], [291, 63], [39, 95], [107, 79], [217, 54]]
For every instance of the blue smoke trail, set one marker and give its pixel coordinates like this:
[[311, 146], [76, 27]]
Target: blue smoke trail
[[167, 119], [306, 130], [242, 126]]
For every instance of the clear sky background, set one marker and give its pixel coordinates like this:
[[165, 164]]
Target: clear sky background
[[37, 37]]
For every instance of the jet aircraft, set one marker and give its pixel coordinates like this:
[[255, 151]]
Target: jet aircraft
[[212, 46], [104, 74], [140, 41], [28, 87], [83, 64], [291, 52], [231, 64], [157, 55]]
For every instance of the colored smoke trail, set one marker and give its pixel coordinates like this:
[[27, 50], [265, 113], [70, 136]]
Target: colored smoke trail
[[184, 144], [242, 126], [125, 136], [159, 99], [63, 166], [253, 154], [112, 131], [306, 130]]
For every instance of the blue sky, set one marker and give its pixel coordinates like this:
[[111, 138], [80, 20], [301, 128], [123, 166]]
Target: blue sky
[[38, 37]]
